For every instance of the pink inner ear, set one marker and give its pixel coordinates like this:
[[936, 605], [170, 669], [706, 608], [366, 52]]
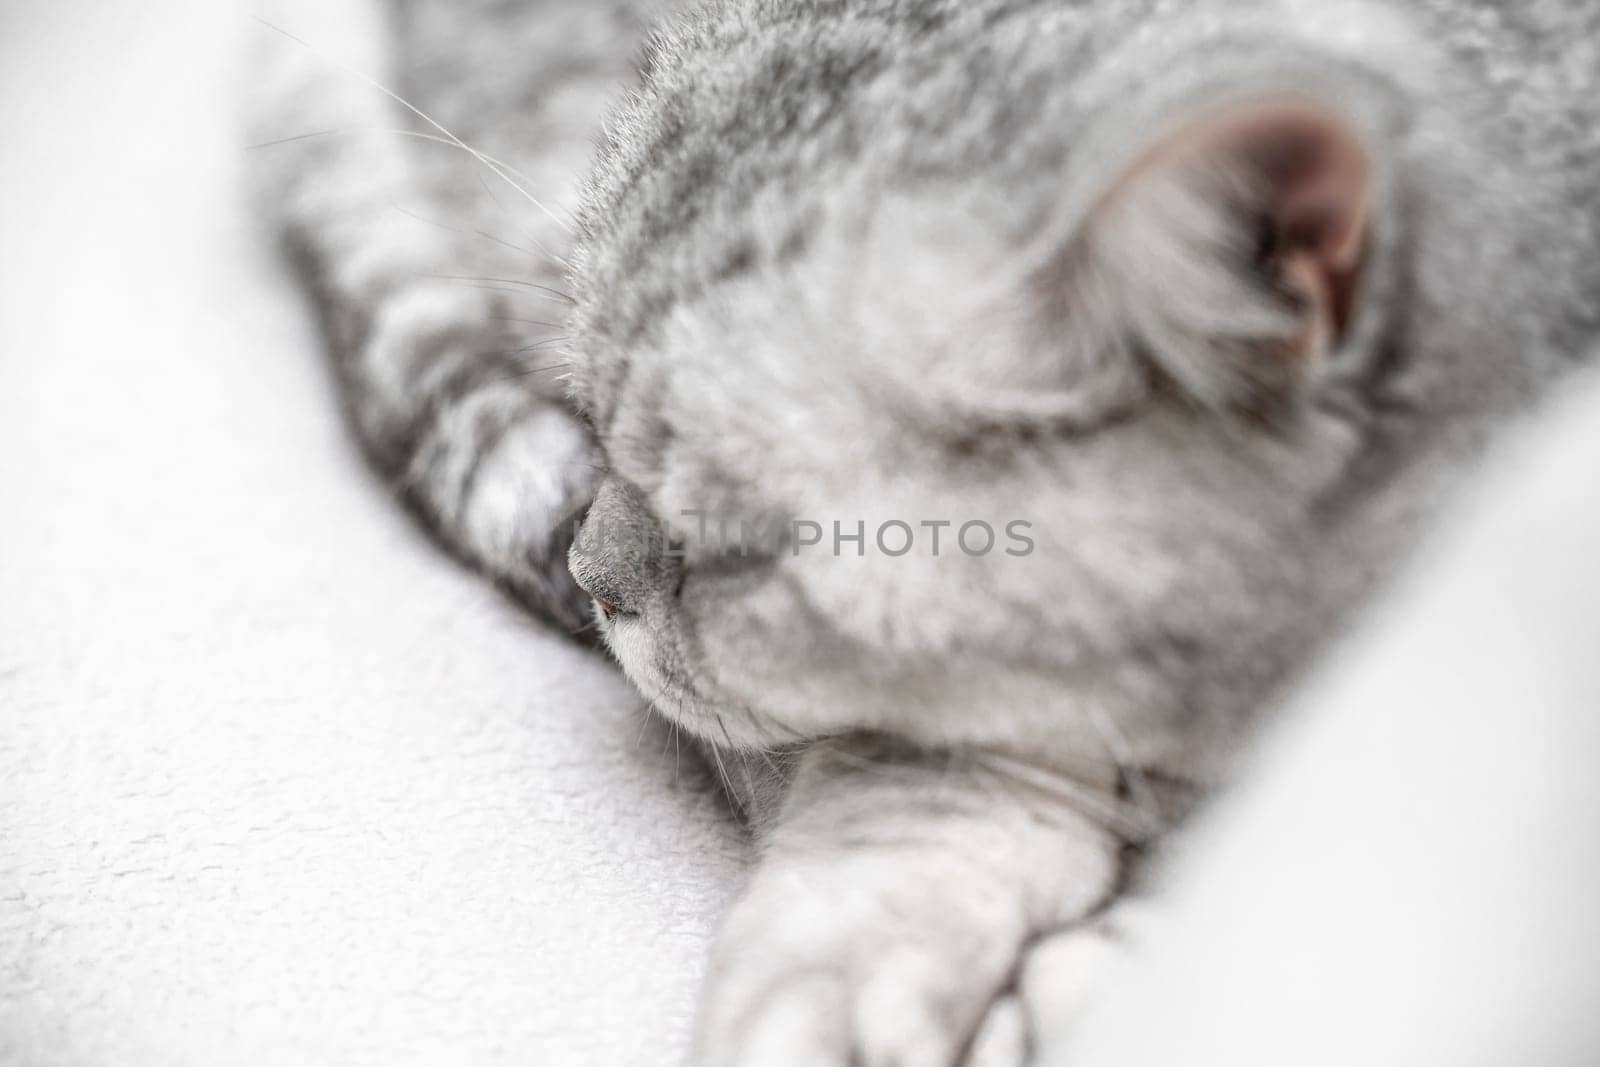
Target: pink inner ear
[[1317, 177], [1315, 180]]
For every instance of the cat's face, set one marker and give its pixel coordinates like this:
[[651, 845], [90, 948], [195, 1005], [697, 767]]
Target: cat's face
[[1020, 432]]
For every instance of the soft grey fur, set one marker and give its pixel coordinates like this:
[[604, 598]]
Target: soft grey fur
[[852, 262], [440, 276]]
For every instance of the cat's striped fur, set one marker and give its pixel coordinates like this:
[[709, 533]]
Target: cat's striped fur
[[1221, 295], [422, 160]]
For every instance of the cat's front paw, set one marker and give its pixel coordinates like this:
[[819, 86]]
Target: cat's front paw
[[857, 964], [528, 486], [1067, 971]]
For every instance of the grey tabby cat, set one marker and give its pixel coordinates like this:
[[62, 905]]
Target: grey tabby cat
[[1215, 300]]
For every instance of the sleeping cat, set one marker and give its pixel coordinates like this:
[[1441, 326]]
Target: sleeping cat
[[1173, 320]]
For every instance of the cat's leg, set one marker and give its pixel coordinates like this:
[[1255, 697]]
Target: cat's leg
[[450, 403], [891, 904], [440, 400]]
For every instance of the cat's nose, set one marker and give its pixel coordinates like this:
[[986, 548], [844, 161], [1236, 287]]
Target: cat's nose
[[618, 554], [591, 579], [585, 577]]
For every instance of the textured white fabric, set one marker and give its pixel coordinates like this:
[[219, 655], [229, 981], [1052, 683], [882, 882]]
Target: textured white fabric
[[279, 784]]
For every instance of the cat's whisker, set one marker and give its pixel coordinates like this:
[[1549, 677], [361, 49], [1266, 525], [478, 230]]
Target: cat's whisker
[[643, 711], [525, 372], [513, 282], [677, 753], [541, 346], [535, 251], [532, 322], [585, 628], [558, 370], [507, 287], [756, 725], [765, 754], [490, 193], [549, 368], [388, 131], [509, 291], [487, 162], [743, 754], [667, 741], [292, 138], [408, 213], [535, 247], [716, 754]]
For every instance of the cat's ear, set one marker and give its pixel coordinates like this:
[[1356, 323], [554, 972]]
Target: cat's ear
[[1235, 246]]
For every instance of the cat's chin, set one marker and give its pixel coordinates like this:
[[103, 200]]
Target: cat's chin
[[673, 695]]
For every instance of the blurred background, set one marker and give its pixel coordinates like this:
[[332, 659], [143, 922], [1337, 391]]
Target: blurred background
[[280, 784]]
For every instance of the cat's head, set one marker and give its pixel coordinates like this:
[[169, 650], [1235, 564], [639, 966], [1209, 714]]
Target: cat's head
[[948, 392]]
